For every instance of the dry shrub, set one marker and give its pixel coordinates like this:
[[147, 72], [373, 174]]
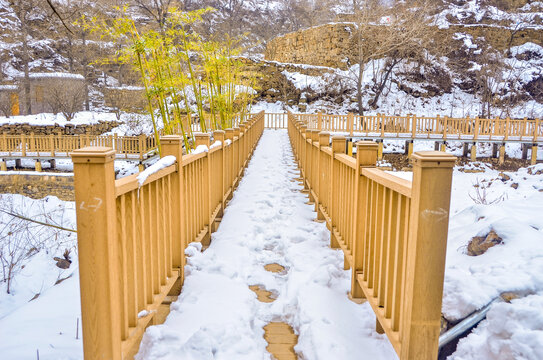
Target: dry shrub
[[66, 97], [5, 104], [130, 100]]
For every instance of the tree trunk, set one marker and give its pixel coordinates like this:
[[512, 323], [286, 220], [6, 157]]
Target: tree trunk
[[359, 88], [26, 60], [383, 82], [85, 72]]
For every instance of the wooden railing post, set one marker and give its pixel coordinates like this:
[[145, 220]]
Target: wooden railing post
[[99, 267], [23, 144], [302, 159], [319, 121], [350, 123], [142, 145], [52, 144], [229, 135], [204, 139], [173, 145], [426, 249], [219, 135], [477, 125], [366, 156], [338, 147], [413, 126], [324, 140]]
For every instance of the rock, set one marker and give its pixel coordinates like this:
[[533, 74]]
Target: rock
[[444, 325], [514, 185], [504, 177], [62, 263], [508, 296], [480, 244]]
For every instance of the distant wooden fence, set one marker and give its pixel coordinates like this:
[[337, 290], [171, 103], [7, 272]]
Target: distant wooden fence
[[132, 238], [393, 232], [60, 146], [416, 127]]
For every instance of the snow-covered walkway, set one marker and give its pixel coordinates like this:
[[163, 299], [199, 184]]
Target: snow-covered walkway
[[268, 221]]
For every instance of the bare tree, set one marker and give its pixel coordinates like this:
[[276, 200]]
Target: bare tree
[[65, 97], [25, 11], [158, 10], [125, 99], [392, 33], [5, 104]]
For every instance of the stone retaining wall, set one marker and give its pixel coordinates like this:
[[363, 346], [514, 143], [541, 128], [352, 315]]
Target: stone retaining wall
[[333, 44], [38, 186], [69, 129]]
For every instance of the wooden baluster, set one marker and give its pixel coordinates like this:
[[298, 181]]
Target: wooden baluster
[[426, 249], [94, 181]]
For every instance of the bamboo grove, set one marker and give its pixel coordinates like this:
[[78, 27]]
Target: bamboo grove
[[186, 78]]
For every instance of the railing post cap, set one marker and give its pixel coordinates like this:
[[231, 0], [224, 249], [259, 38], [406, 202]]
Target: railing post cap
[[324, 138], [366, 144], [338, 138], [219, 132], [202, 135], [433, 159], [93, 154], [171, 139]]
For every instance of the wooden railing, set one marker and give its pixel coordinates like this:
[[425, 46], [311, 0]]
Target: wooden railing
[[132, 236], [415, 127], [58, 146], [393, 232]]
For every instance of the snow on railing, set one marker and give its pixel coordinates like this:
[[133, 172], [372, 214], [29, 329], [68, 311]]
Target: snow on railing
[[393, 232], [132, 232]]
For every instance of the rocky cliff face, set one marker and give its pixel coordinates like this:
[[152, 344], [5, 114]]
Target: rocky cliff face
[[334, 45]]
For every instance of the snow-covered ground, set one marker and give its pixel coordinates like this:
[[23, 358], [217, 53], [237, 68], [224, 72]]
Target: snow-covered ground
[[42, 310], [217, 316], [49, 119]]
